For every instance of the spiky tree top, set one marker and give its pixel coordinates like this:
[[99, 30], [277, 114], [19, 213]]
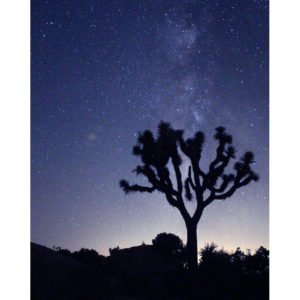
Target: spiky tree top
[[155, 154]]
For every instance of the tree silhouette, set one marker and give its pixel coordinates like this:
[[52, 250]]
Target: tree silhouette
[[157, 153]]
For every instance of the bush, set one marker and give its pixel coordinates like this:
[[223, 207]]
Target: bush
[[168, 243]]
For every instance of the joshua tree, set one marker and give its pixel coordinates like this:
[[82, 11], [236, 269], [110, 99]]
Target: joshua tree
[[206, 187]]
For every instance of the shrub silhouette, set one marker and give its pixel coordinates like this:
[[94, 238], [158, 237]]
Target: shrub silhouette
[[157, 154], [168, 243], [113, 251], [88, 256], [233, 276], [213, 261], [258, 263], [65, 252], [208, 253]]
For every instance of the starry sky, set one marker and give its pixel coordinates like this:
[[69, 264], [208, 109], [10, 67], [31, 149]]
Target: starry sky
[[103, 71]]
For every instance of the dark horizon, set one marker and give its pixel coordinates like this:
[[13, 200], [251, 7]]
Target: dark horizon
[[101, 73]]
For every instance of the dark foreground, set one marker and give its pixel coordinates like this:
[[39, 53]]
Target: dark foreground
[[143, 272]]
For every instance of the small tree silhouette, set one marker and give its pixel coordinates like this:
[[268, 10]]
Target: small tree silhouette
[[155, 155]]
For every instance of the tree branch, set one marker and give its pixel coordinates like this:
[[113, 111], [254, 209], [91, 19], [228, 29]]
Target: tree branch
[[149, 173], [188, 193], [190, 179], [226, 180], [135, 188], [165, 181], [237, 184], [178, 175], [196, 172], [171, 200]]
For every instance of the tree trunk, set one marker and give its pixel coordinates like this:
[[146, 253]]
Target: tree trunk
[[191, 245]]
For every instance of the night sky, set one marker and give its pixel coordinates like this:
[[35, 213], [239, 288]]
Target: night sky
[[103, 71]]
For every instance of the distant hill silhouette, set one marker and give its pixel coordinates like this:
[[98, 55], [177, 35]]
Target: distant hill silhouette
[[148, 272]]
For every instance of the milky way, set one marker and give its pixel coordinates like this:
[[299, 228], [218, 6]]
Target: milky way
[[102, 71]]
